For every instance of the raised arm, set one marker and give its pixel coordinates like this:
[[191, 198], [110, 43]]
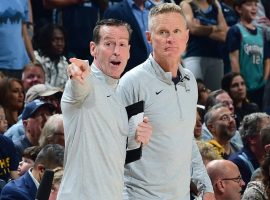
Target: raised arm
[[79, 85]]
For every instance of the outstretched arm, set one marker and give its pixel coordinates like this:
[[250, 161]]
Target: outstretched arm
[[79, 85]]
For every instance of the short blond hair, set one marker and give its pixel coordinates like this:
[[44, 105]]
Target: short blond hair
[[208, 152]]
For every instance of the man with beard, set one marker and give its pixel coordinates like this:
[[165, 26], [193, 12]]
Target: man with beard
[[220, 121]]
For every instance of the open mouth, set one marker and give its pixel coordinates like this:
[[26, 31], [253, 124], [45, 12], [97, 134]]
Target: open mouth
[[116, 63]]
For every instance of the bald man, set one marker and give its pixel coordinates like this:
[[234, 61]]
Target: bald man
[[226, 179]]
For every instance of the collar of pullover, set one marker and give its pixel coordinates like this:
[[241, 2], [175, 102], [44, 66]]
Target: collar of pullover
[[101, 76], [161, 74]]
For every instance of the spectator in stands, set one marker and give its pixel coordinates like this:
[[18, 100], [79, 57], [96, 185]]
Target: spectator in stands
[[42, 92], [34, 116], [53, 131], [3, 121], [208, 152], [215, 97], [249, 53], [49, 43], [259, 189], [12, 98], [220, 121], [226, 179], [58, 174], [32, 74], [28, 159], [52, 95], [250, 157], [207, 28], [45, 93], [235, 85], [25, 187], [14, 37]]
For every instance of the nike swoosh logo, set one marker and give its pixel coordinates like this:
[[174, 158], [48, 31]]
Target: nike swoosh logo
[[157, 93], [109, 95]]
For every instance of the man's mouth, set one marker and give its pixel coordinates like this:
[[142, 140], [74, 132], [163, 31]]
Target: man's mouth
[[116, 63]]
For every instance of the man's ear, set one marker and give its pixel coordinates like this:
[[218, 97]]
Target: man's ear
[[148, 37], [211, 127], [219, 187], [41, 168], [25, 122], [93, 50]]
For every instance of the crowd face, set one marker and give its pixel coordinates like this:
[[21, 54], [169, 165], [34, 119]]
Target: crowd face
[[112, 52], [248, 10], [226, 179], [58, 42], [33, 75], [168, 36], [233, 184], [226, 99], [238, 90], [256, 139], [15, 96], [35, 123], [24, 165], [55, 100], [224, 125]]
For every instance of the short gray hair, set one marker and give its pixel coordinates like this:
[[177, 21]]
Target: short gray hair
[[208, 117], [51, 156], [161, 9], [251, 125], [50, 128]]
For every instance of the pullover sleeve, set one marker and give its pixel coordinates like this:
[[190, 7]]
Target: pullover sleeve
[[199, 173]]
